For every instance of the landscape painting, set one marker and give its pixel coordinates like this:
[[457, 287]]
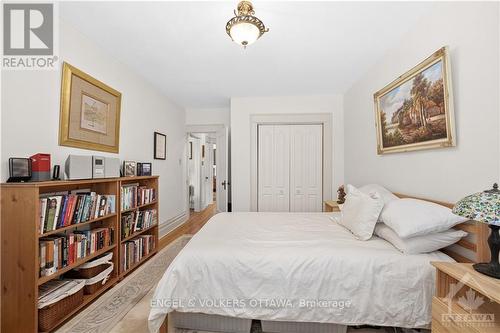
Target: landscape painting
[[415, 111]]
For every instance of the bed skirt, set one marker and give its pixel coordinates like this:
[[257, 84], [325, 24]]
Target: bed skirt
[[215, 323]]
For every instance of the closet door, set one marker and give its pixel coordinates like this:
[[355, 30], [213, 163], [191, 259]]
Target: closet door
[[306, 168], [273, 168]]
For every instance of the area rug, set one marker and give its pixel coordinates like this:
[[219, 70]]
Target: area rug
[[106, 312]]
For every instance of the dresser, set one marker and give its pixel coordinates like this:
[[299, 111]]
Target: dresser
[[465, 300]]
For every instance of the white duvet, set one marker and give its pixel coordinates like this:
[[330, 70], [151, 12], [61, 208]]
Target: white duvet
[[295, 267]]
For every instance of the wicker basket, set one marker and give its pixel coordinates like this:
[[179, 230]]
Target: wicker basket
[[87, 273], [93, 288], [49, 316]]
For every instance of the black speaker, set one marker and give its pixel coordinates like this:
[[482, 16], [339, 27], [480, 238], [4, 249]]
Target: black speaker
[[55, 173], [19, 169]]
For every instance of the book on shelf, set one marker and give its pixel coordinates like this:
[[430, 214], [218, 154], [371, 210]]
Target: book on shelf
[[58, 211], [61, 250], [136, 221], [136, 249], [133, 195]]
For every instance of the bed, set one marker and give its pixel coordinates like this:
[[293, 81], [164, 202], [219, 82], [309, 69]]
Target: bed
[[285, 268]]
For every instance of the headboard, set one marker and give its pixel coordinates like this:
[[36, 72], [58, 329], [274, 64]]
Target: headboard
[[471, 249]]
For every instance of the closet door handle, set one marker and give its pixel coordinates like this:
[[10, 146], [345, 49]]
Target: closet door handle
[[224, 183]]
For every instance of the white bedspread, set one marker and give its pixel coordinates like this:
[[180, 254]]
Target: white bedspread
[[278, 266]]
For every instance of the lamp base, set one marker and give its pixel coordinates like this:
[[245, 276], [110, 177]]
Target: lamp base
[[488, 269]]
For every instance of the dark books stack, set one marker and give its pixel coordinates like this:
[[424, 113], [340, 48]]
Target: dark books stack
[[134, 250], [137, 221], [58, 211], [58, 251]]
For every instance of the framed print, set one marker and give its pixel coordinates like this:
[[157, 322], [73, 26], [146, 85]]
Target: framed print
[[129, 168], [160, 146], [90, 112], [415, 111]]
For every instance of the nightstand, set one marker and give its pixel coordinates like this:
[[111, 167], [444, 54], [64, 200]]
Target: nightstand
[[465, 300], [332, 206]]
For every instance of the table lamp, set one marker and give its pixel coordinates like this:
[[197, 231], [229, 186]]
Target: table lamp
[[484, 207]]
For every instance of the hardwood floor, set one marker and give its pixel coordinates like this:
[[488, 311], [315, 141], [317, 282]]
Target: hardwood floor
[[195, 222]]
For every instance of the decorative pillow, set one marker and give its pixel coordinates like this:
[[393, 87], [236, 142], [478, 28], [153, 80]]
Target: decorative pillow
[[419, 244], [413, 217], [360, 212], [386, 195]]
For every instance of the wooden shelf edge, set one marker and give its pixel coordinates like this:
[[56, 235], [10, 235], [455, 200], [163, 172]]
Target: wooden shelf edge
[[87, 299], [74, 226], [45, 279], [139, 263], [138, 207], [137, 233]]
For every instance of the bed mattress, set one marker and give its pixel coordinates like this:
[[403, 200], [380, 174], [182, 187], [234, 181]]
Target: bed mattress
[[301, 267]]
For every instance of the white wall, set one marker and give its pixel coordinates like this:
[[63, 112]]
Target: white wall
[[207, 116], [472, 32], [30, 117], [241, 111]]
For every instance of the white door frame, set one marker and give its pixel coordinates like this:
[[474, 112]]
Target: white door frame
[[324, 119], [212, 129]]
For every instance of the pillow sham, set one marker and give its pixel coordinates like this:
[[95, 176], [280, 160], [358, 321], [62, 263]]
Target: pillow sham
[[412, 217], [386, 195], [419, 244], [360, 212]]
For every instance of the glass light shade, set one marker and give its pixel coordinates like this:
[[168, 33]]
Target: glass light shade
[[244, 33], [482, 207]]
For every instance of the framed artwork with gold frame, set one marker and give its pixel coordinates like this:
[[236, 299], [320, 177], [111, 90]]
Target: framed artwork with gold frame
[[415, 111], [90, 112]]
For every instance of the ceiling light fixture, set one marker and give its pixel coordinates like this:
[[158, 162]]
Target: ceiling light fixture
[[245, 28]]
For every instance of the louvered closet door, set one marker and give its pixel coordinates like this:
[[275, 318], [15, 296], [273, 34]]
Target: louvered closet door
[[273, 168], [306, 168]]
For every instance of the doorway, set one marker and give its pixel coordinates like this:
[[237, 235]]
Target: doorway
[[207, 167]]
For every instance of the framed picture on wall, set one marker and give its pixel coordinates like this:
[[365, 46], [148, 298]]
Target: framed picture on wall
[[415, 111], [160, 146], [90, 112]]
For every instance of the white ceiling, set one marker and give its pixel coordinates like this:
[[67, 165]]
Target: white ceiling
[[182, 47]]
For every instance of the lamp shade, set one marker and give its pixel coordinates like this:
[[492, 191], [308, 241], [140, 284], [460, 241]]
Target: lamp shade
[[244, 33], [482, 207]]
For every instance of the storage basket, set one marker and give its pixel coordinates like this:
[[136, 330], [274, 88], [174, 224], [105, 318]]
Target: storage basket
[[95, 283], [91, 268], [49, 316]]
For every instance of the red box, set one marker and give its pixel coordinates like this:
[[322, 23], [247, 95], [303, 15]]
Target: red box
[[40, 162], [40, 166]]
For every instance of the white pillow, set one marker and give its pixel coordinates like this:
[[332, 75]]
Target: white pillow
[[386, 195], [419, 244], [360, 212], [412, 217]]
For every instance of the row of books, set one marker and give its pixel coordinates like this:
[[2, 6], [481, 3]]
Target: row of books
[[59, 251], [57, 211], [136, 221], [133, 195], [134, 250]]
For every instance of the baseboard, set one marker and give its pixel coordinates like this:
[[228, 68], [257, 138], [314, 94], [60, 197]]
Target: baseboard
[[172, 224]]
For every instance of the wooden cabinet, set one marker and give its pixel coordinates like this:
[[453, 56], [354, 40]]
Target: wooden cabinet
[[331, 206], [465, 300], [20, 268]]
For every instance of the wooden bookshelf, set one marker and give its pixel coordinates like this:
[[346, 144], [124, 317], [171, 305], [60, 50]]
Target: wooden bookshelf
[[20, 245], [148, 182]]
